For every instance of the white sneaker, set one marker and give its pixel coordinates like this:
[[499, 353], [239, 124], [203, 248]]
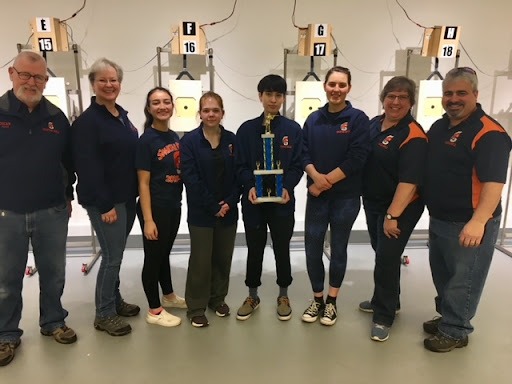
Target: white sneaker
[[177, 302], [165, 319]]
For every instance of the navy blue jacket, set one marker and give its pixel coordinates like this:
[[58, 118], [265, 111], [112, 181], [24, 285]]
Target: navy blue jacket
[[34, 147], [198, 172], [104, 155], [249, 150], [337, 140]]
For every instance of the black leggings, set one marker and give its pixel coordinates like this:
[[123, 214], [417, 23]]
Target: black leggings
[[157, 269]]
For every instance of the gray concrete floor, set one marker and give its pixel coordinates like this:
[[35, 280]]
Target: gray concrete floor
[[264, 349]]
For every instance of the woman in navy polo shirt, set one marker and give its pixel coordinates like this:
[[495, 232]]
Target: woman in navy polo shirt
[[207, 159], [390, 181], [335, 149], [159, 206]]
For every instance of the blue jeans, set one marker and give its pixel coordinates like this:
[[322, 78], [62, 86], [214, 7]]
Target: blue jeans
[[47, 229], [112, 239], [459, 273], [340, 214]]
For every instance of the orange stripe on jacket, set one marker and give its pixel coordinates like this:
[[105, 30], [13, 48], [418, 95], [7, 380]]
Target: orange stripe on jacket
[[415, 132], [476, 189], [488, 126]]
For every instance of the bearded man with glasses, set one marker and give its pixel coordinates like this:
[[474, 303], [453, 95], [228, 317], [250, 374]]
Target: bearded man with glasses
[[37, 179]]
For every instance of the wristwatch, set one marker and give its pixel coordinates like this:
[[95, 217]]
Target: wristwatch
[[390, 217]]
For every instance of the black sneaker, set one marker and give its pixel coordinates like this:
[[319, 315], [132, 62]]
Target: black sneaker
[[441, 343], [199, 321], [311, 313], [432, 326], [114, 325], [366, 306], [63, 335], [222, 310], [330, 314], [7, 351], [127, 310]]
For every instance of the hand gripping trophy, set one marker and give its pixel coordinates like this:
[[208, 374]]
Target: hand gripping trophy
[[269, 180]]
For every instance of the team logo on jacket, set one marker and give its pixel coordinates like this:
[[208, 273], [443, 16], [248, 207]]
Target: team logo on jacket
[[453, 139], [5, 124], [343, 128], [51, 128], [384, 143], [286, 143]]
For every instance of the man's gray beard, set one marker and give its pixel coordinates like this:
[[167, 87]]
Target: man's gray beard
[[20, 94]]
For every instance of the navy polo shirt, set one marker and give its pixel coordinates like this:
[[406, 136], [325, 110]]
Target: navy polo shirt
[[397, 155], [460, 159]]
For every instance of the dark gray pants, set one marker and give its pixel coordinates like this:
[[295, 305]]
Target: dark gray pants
[[209, 266]]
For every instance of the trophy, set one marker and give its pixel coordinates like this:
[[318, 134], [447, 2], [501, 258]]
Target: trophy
[[269, 180]]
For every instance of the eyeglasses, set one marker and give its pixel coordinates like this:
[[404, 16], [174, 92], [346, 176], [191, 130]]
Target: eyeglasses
[[399, 97], [39, 79]]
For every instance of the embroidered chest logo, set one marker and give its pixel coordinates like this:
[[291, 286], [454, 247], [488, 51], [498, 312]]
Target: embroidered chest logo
[[453, 139], [230, 148], [51, 128], [384, 143], [343, 128], [286, 143], [5, 124]]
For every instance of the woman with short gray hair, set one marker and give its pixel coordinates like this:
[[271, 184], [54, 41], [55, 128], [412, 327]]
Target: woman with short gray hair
[[104, 143]]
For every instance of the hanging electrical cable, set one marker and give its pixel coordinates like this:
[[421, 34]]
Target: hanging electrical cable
[[76, 13]]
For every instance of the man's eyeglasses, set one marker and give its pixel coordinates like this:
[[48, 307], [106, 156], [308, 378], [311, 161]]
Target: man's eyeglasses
[[391, 97], [39, 79]]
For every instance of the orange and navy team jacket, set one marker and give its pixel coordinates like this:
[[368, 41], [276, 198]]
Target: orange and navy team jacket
[[35, 156], [460, 159], [397, 155], [209, 178], [159, 153]]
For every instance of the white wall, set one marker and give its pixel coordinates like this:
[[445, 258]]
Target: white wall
[[250, 45]]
